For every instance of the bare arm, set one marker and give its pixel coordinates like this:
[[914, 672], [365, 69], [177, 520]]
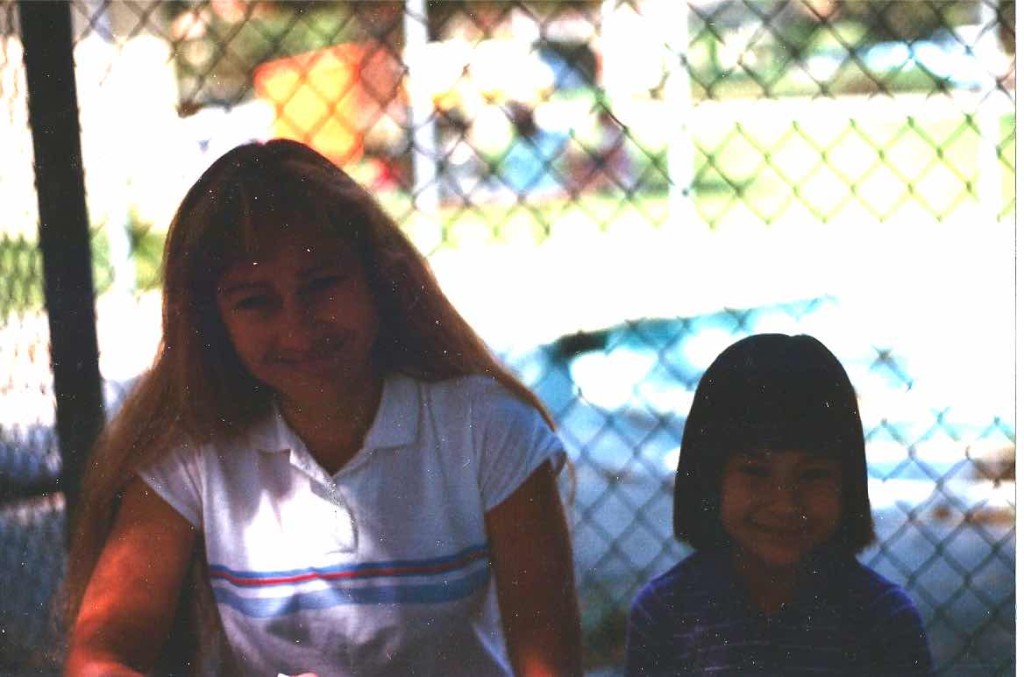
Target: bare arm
[[532, 561], [133, 593]]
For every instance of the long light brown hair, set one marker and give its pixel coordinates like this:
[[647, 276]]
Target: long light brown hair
[[197, 389]]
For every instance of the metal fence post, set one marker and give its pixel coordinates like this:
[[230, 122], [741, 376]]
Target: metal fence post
[[117, 226], [425, 189], [675, 22], [989, 179], [63, 234]]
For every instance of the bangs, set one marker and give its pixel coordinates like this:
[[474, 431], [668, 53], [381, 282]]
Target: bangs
[[782, 393], [251, 213], [784, 410]]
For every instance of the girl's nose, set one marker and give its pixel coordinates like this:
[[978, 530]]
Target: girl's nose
[[785, 496], [300, 323]]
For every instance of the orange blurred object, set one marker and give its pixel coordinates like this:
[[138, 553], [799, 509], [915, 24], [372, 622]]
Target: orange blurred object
[[330, 98]]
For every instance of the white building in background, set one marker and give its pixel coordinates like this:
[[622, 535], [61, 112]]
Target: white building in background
[[645, 77], [17, 180]]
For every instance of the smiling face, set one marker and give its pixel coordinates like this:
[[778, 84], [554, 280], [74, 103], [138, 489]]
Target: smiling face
[[778, 506], [301, 316]]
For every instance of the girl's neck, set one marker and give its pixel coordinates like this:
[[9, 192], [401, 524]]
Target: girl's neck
[[769, 588], [334, 428]]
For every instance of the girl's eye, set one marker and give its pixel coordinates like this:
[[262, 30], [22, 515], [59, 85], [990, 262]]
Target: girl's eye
[[257, 302], [325, 282], [754, 470], [816, 474]]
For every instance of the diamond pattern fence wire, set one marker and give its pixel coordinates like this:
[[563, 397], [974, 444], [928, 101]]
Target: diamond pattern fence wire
[[31, 523], [612, 192]]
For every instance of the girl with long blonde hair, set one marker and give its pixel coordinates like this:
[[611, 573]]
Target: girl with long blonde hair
[[325, 470]]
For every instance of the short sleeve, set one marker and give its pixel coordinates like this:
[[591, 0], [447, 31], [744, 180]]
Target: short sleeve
[[513, 439], [645, 635], [896, 641], [176, 478]]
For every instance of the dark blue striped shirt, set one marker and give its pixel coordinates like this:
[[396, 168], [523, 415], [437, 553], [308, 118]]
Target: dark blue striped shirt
[[845, 620]]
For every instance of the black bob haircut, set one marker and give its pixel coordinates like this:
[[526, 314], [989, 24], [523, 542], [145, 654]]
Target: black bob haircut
[[771, 392]]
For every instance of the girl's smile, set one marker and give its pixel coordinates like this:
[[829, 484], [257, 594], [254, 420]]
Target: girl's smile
[[323, 354], [778, 506]]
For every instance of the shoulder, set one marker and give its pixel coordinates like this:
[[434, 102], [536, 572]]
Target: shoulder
[[466, 388], [686, 586], [477, 396], [879, 607], [690, 569], [873, 594], [887, 621], [183, 453], [266, 435]]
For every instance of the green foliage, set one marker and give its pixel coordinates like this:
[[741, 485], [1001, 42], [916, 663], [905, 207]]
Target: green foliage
[[304, 29], [147, 253], [21, 277], [1007, 14], [217, 66], [906, 21], [747, 59]]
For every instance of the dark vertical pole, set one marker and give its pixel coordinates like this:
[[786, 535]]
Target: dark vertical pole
[[63, 233]]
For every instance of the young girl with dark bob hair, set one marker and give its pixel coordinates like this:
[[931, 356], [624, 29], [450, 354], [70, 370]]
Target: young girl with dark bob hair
[[772, 493], [325, 471]]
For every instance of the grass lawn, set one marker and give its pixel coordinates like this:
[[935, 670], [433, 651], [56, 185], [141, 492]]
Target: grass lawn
[[825, 161]]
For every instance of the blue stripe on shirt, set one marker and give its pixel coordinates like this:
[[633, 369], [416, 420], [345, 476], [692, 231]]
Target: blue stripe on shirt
[[364, 571], [425, 593]]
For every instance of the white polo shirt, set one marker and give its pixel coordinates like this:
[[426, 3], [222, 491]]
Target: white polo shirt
[[382, 569]]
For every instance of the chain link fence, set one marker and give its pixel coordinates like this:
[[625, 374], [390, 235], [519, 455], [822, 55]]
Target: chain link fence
[[31, 512], [612, 192]]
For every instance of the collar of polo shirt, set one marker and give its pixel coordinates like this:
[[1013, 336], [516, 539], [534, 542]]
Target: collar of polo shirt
[[395, 425]]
